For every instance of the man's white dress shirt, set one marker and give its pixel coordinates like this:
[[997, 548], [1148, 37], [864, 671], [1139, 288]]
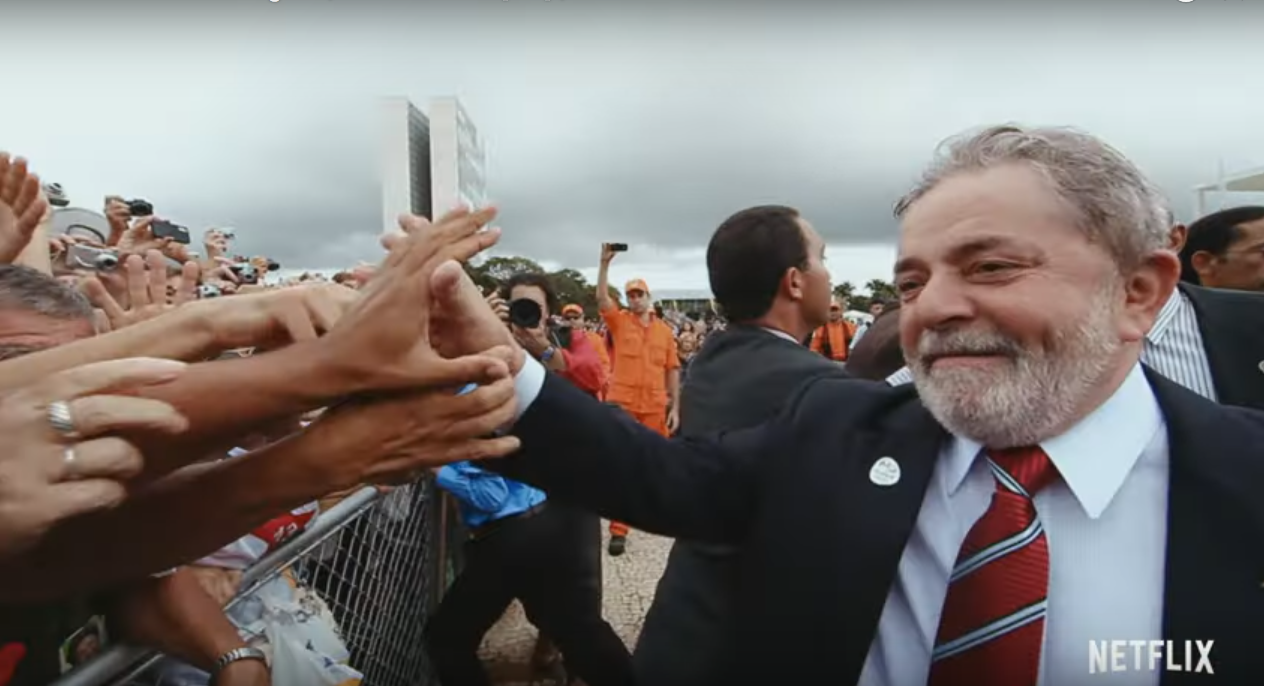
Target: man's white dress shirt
[[1106, 522], [1105, 519]]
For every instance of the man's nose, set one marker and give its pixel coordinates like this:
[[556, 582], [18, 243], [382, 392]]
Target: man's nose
[[941, 302]]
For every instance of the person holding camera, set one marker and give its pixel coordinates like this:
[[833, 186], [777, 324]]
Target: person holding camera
[[645, 376], [522, 545], [525, 303]]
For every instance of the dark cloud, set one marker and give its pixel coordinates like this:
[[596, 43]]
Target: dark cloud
[[646, 123]]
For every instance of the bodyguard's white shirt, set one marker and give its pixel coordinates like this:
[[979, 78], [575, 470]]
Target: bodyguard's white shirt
[[1105, 520]]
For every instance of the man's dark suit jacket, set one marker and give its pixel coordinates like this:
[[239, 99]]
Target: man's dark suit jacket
[[821, 542], [742, 377], [1232, 327]]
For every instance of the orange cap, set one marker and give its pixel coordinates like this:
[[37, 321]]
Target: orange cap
[[637, 285], [572, 308]]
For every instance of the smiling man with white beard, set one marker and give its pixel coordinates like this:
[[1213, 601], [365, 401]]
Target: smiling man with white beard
[[1025, 394]]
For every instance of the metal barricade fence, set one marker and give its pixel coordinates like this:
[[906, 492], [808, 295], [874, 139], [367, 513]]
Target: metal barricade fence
[[380, 561]]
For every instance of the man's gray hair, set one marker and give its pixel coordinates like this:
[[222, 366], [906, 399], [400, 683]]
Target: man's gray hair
[[30, 290], [1117, 206]]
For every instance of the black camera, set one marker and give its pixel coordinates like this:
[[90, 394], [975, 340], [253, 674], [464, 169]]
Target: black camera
[[526, 313], [164, 229], [140, 208]]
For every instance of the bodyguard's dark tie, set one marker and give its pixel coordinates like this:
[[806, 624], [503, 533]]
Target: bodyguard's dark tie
[[993, 624]]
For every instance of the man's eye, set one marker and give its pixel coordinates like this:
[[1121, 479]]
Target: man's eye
[[992, 267]]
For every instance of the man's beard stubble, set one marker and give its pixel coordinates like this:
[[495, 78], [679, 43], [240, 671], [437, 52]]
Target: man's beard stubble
[[1031, 396]]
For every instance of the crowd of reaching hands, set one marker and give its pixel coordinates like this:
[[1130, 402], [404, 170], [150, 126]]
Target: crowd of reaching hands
[[113, 471]]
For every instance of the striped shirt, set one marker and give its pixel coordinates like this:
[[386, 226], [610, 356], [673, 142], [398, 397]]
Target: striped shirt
[[1173, 348]]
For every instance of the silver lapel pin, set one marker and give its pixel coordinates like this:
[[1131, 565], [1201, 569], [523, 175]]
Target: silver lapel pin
[[885, 472]]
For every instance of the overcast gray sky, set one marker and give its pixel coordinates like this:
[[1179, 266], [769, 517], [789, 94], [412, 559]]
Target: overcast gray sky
[[643, 122]]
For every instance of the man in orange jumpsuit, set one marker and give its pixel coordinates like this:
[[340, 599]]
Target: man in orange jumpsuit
[[574, 314], [645, 376], [834, 339]]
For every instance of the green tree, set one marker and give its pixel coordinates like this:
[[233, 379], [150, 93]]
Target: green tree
[[480, 278], [881, 290], [572, 287], [501, 268], [493, 271], [844, 291]]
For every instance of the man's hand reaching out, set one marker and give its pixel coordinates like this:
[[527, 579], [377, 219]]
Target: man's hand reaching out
[[22, 207], [384, 343]]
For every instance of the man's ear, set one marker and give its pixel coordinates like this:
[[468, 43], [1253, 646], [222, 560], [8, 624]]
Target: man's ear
[[793, 283], [1202, 261], [1146, 291], [1176, 238]]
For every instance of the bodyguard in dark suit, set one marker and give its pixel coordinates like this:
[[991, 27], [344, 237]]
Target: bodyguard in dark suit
[[1036, 471], [766, 272], [1231, 326]]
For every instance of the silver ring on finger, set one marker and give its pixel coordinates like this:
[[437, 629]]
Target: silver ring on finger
[[70, 461], [63, 421]]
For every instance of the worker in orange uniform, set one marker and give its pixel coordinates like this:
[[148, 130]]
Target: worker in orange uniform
[[574, 315], [834, 339], [645, 377]]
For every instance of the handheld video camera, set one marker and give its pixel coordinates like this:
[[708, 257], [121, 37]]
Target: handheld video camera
[[88, 257], [526, 313], [162, 228], [140, 208]]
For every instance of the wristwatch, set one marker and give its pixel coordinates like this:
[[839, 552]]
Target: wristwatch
[[236, 654], [547, 354]]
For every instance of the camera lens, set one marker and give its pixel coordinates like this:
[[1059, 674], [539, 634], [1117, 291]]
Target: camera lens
[[140, 208], [525, 313], [106, 262]]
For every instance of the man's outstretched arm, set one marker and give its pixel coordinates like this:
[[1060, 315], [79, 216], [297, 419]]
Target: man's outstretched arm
[[582, 451], [202, 508]]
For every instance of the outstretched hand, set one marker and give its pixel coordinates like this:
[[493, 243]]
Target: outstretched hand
[[22, 206], [390, 439], [384, 343], [464, 320], [148, 293]]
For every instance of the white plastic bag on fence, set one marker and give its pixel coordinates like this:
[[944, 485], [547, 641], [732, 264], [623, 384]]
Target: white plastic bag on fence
[[301, 636], [295, 663]]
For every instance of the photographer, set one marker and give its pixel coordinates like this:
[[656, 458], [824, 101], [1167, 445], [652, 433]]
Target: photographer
[[526, 303]]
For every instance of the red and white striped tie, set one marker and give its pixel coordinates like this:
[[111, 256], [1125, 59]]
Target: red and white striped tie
[[993, 624]]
